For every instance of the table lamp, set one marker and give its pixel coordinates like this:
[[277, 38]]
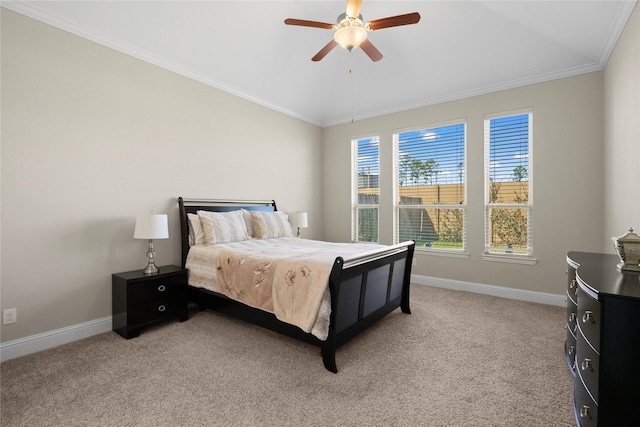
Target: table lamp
[[154, 226], [298, 220]]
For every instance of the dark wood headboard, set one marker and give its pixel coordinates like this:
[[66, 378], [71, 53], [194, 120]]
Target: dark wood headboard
[[187, 206]]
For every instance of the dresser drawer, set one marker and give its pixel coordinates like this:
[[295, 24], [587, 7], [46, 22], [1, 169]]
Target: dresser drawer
[[572, 328], [589, 318], [570, 350], [572, 289], [586, 410], [151, 290], [151, 311], [588, 367], [572, 314]]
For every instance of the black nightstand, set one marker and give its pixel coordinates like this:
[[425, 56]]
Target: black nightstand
[[139, 300]]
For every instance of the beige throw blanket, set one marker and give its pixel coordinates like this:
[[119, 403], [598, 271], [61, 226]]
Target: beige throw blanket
[[289, 287]]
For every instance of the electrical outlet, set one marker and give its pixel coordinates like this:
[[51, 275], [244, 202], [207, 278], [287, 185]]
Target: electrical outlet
[[9, 315]]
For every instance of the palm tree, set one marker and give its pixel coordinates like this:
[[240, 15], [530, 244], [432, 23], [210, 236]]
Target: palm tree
[[520, 173], [416, 168], [404, 169], [430, 168]]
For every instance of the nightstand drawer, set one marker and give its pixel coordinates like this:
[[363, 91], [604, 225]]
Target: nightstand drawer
[[150, 291], [151, 311]]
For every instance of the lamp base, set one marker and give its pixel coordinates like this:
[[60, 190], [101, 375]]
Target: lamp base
[[151, 266], [151, 270]]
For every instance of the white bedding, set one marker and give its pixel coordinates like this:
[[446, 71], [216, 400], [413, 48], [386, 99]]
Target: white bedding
[[202, 262]]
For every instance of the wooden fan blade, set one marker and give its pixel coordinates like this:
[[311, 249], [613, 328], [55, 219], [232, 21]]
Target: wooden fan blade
[[305, 23], [394, 21], [323, 52], [353, 8], [371, 51]]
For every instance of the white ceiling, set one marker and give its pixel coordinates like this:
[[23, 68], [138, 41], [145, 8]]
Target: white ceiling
[[458, 49]]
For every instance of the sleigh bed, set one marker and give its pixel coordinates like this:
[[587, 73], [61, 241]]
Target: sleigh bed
[[349, 286]]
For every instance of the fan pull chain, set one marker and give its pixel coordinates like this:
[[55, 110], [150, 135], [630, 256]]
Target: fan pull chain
[[350, 73], [352, 91]]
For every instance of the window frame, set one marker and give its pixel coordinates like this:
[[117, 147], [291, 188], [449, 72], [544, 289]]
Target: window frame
[[447, 252], [492, 255]]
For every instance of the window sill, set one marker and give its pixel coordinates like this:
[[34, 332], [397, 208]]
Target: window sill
[[443, 253], [513, 259]]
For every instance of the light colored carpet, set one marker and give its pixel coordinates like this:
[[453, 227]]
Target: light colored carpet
[[460, 359]]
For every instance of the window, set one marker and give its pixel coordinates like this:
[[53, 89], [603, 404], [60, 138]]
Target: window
[[508, 204], [430, 193], [365, 189]]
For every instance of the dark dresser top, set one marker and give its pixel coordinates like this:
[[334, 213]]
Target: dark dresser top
[[600, 274]]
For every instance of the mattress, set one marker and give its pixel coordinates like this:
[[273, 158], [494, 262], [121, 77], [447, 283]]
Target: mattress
[[286, 276]]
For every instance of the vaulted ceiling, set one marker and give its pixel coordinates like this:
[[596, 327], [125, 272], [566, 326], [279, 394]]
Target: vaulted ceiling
[[458, 49]]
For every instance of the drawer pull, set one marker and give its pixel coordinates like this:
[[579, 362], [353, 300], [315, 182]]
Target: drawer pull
[[588, 316], [161, 288], [162, 308], [586, 364], [585, 412], [572, 317]]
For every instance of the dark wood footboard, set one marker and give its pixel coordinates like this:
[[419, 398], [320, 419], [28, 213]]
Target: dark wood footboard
[[363, 288]]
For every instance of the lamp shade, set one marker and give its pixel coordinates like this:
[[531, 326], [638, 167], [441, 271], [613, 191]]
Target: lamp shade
[[298, 219], [154, 226], [350, 37]]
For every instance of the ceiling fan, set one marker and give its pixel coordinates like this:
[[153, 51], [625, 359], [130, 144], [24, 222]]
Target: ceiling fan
[[351, 30]]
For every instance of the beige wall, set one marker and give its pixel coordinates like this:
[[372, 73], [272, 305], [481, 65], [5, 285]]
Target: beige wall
[[622, 134], [566, 169], [91, 138]]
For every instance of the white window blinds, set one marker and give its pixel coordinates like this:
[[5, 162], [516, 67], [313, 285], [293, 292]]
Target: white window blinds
[[508, 205], [365, 189], [430, 193]]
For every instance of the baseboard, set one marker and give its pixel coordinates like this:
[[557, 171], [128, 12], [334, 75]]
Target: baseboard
[[498, 291], [46, 340], [39, 342]]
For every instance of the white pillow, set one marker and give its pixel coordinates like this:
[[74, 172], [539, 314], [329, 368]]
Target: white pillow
[[248, 221], [223, 227], [267, 225], [196, 235]]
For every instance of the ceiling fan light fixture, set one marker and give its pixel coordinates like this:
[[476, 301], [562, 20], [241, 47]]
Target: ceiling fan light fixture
[[350, 37], [350, 30]]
